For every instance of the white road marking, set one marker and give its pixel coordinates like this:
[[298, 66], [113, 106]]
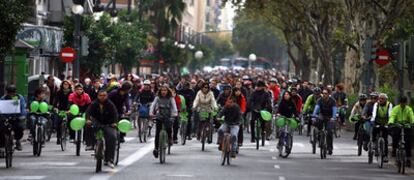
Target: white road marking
[[274, 158], [139, 154], [282, 178], [299, 145], [22, 177], [277, 166], [181, 175], [48, 164], [272, 150]]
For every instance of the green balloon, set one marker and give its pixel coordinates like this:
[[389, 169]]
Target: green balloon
[[77, 123], [43, 107], [354, 119], [266, 115], [124, 126], [214, 113], [84, 115], [34, 106], [74, 109], [184, 116], [281, 122], [293, 124]]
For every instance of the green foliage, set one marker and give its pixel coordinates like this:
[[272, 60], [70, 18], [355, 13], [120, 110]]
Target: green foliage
[[126, 39], [13, 14], [390, 91]]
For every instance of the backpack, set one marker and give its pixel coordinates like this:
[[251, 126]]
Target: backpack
[[143, 111]]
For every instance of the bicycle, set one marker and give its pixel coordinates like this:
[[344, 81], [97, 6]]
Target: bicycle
[[78, 138], [285, 143], [206, 129], [63, 130], [370, 146], [381, 146], [320, 135], [183, 127], [259, 134], [100, 148], [401, 156], [38, 134], [339, 123], [7, 134], [134, 114], [301, 125], [226, 148], [163, 146]]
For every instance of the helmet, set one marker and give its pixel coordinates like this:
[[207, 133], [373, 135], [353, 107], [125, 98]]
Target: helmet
[[245, 77], [11, 88], [363, 97], [273, 80], [126, 85], [317, 90], [147, 82], [79, 85], [373, 95]]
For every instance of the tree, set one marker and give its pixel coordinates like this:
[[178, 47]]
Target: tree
[[12, 14]]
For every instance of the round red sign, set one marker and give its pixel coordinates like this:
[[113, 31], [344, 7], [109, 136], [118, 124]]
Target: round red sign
[[67, 54]]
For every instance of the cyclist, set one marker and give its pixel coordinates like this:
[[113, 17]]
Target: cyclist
[[357, 110], [341, 101], [62, 103], [241, 101], [403, 114], [287, 106], [325, 110], [163, 109], [367, 114], [189, 96], [213, 87], [259, 100], [380, 115], [97, 86], [176, 122], [305, 91], [120, 98], [310, 105], [232, 116], [103, 112], [145, 97], [19, 119], [39, 96], [204, 101], [296, 99], [82, 100], [221, 100]]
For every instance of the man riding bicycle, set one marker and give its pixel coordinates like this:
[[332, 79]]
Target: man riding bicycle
[[380, 115], [310, 105], [402, 114], [19, 119], [103, 112], [232, 117], [120, 98], [260, 100], [325, 110]]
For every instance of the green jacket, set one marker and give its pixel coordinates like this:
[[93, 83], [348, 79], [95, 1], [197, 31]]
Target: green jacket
[[309, 104], [400, 115]]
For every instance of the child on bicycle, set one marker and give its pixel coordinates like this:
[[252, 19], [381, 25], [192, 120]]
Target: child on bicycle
[[232, 117]]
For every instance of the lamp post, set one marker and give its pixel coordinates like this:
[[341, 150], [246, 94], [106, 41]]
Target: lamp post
[[77, 10], [252, 58], [114, 20], [198, 55]]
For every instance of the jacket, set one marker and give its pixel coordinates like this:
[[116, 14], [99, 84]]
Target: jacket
[[261, 100], [157, 101], [107, 115], [375, 110], [205, 102], [232, 114], [401, 115], [119, 101]]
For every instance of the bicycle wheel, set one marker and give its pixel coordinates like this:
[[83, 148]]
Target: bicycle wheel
[[116, 157], [35, 142], [8, 145], [162, 146], [183, 131], [203, 138], [224, 151], [78, 142], [40, 139], [145, 129], [370, 152], [63, 137], [263, 138], [313, 138], [258, 134], [99, 155], [360, 141], [403, 160], [323, 148], [381, 152], [139, 122]]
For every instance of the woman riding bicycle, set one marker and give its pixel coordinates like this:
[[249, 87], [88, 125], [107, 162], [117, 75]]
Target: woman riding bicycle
[[241, 101], [62, 103], [204, 102], [287, 106], [163, 109]]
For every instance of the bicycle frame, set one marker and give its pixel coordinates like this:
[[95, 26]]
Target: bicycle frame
[[8, 136]]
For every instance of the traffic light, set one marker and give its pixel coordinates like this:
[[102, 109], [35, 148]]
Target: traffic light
[[370, 49], [85, 46]]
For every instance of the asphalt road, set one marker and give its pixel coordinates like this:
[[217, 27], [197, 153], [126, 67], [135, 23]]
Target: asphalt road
[[189, 162]]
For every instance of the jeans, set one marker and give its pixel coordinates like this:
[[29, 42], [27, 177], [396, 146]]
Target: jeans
[[329, 126], [110, 136], [396, 136], [234, 130], [167, 123]]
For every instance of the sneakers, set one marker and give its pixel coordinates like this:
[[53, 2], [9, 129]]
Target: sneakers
[[175, 141], [365, 146], [122, 140], [155, 153], [330, 152], [111, 165], [386, 159], [71, 140], [18, 145]]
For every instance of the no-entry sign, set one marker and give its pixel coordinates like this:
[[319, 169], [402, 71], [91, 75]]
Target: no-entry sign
[[67, 54]]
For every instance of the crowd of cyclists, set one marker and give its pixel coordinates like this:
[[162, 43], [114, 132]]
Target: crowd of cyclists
[[231, 101]]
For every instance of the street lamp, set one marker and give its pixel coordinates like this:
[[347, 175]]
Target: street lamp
[[252, 58], [198, 55], [114, 21], [77, 10]]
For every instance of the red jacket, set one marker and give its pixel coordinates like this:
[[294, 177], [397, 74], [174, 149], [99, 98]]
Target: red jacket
[[178, 102], [242, 103], [298, 101], [276, 91]]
